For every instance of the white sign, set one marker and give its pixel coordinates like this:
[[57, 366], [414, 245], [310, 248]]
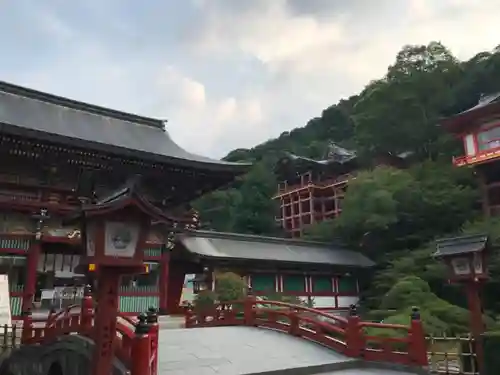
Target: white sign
[[121, 239], [5, 316]]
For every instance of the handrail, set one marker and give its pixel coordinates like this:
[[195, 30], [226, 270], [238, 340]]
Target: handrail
[[345, 335], [61, 314], [302, 308], [383, 325]]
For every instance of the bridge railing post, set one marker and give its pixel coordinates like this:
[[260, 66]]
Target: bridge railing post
[[141, 349], [248, 310], [27, 332], [154, 330], [86, 311], [294, 328], [353, 334], [417, 346], [188, 316]]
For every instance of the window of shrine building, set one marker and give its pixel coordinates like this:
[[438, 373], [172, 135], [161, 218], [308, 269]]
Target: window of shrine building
[[146, 282], [322, 284], [347, 284], [263, 282], [489, 138], [294, 283]]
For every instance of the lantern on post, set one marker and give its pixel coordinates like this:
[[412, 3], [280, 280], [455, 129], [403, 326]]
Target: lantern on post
[[114, 233], [199, 283], [467, 262]]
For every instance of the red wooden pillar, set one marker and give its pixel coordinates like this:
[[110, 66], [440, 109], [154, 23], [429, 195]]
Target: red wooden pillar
[[476, 320], [86, 311], [105, 320], [248, 310], [141, 349], [417, 349], [27, 332], [164, 280], [353, 335], [154, 331], [174, 288], [30, 278], [32, 261]]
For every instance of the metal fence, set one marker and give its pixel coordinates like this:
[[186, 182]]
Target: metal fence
[[452, 355]]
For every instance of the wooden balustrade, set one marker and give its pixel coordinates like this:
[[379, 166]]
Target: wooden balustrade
[[345, 335], [132, 342]]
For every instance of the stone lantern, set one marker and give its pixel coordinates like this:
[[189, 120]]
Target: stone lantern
[[465, 257], [114, 234], [467, 262]]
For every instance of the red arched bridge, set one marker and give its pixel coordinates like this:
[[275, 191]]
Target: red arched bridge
[[62, 344]]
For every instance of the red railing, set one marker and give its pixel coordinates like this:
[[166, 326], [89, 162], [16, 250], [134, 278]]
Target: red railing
[[136, 341], [348, 336]]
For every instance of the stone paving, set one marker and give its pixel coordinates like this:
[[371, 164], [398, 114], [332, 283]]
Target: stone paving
[[236, 351], [243, 351], [366, 372]]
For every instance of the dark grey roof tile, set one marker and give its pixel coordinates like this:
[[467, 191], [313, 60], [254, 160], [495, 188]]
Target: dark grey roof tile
[[237, 246], [460, 245], [65, 121]]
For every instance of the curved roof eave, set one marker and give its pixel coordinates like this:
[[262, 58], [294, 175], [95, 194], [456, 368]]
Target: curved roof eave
[[26, 112]]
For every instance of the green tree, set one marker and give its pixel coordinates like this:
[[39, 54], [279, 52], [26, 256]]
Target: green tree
[[394, 209], [230, 287], [394, 214], [399, 113]]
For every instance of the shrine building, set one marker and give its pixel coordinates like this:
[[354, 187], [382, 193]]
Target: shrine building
[[479, 129], [311, 191], [59, 154]]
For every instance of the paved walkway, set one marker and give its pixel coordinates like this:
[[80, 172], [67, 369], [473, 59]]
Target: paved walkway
[[244, 351]]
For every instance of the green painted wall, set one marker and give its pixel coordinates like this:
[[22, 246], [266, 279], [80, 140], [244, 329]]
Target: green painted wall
[[138, 304], [16, 306], [15, 243]]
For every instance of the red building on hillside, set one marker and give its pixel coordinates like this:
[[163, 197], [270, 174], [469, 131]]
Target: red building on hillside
[[479, 129], [311, 191]]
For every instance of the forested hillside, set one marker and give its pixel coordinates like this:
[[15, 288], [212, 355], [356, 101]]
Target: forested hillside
[[390, 215]]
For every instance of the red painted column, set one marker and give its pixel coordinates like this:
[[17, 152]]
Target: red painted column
[[476, 320], [27, 332], [164, 280], [86, 311], [30, 278], [154, 331], [105, 320], [353, 335], [418, 346], [141, 349], [175, 285]]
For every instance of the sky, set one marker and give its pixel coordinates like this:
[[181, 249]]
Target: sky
[[226, 74]]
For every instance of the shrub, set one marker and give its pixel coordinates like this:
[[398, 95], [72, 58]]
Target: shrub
[[204, 301], [230, 287], [438, 315]]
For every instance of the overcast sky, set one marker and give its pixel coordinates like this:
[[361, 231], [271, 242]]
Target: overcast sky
[[226, 73]]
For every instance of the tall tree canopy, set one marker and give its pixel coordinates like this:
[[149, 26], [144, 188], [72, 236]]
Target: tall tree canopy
[[391, 215]]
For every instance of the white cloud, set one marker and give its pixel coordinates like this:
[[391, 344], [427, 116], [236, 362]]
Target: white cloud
[[342, 44], [309, 56], [200, 122]]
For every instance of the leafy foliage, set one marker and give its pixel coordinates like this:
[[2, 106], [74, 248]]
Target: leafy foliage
[[204, 301], [391, 215], [438, 316], [230, 287]]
